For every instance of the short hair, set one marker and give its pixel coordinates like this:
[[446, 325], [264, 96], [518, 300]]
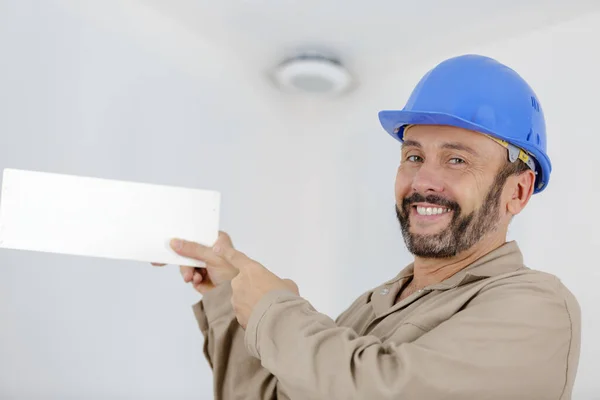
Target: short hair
[[514, 168], [509, 168]]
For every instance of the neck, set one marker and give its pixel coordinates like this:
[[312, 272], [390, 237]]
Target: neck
[[429, 271]]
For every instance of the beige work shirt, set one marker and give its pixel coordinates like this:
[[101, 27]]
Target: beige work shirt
[[495, 330]]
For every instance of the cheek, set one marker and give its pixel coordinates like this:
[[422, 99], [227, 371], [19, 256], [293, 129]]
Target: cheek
[[467, 202], [469, 194], [403, 183]]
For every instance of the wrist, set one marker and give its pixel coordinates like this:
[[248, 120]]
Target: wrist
[[217, 302]]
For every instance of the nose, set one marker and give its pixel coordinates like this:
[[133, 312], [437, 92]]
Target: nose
[[428, 179]]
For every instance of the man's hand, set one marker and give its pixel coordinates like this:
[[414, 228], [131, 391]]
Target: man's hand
[[217, 270], [251, 284], [250, 281]]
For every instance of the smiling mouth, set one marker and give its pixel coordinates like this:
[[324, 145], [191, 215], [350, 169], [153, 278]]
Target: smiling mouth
[[421, 210]]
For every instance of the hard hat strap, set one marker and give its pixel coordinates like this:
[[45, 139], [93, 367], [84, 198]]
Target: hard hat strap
[[515, 153]]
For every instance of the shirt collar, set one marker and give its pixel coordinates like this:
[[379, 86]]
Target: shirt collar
[[506, 258]]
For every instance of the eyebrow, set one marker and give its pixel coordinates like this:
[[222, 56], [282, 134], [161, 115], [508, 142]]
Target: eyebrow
[[460, 147], [411, 143], [447, 145]]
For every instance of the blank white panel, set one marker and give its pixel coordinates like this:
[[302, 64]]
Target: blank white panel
[[66, 214]]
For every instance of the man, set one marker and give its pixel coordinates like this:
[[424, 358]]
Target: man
[[466, 320]]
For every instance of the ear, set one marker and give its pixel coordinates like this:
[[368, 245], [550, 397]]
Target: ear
[[520, 191]]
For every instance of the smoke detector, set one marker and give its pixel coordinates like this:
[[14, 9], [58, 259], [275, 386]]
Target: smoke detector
[[312, 74]]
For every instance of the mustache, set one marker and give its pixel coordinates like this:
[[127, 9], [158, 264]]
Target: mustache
[[432, 199]]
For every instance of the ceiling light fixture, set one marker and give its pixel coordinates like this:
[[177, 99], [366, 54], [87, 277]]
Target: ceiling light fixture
[[313, 74]]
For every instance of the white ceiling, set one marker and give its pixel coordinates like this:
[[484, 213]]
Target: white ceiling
[[369, 36]]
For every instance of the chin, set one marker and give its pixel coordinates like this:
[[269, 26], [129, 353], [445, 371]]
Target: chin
[[430, 231]]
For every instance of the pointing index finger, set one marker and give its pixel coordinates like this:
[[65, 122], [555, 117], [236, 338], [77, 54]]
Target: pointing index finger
[[235, 257]]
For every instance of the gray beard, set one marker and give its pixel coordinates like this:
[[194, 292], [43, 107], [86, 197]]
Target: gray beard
[[461, 234]]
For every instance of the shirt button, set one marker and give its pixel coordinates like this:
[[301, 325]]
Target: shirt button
[[420, 291], [384, 291]]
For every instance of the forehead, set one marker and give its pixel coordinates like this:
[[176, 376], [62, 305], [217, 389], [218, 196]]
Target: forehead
[[436, 136]]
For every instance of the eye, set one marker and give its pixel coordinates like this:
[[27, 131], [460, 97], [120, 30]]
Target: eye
[[414, 158], [456, 160]]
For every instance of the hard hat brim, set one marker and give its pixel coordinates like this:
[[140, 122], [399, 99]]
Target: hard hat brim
[[393, 121]]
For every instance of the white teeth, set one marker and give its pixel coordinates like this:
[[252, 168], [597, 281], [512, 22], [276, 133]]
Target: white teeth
[[430, 210]]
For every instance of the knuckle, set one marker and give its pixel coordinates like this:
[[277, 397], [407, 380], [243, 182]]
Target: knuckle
[[230, 254], [234, 255]]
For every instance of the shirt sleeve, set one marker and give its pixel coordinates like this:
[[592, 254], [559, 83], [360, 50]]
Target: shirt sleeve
[[512, 341], [236, 374]]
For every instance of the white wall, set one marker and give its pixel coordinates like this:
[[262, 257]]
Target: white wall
[[307, 190], [80, 98]]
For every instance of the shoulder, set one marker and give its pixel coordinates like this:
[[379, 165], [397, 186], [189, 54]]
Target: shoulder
[[530, 281], [536, 308], [532, 291]]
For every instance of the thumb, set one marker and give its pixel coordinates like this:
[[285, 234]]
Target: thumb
[[193, 250]]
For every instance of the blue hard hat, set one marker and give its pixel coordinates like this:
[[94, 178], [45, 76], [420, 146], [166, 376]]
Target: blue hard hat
[[480, 94]]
